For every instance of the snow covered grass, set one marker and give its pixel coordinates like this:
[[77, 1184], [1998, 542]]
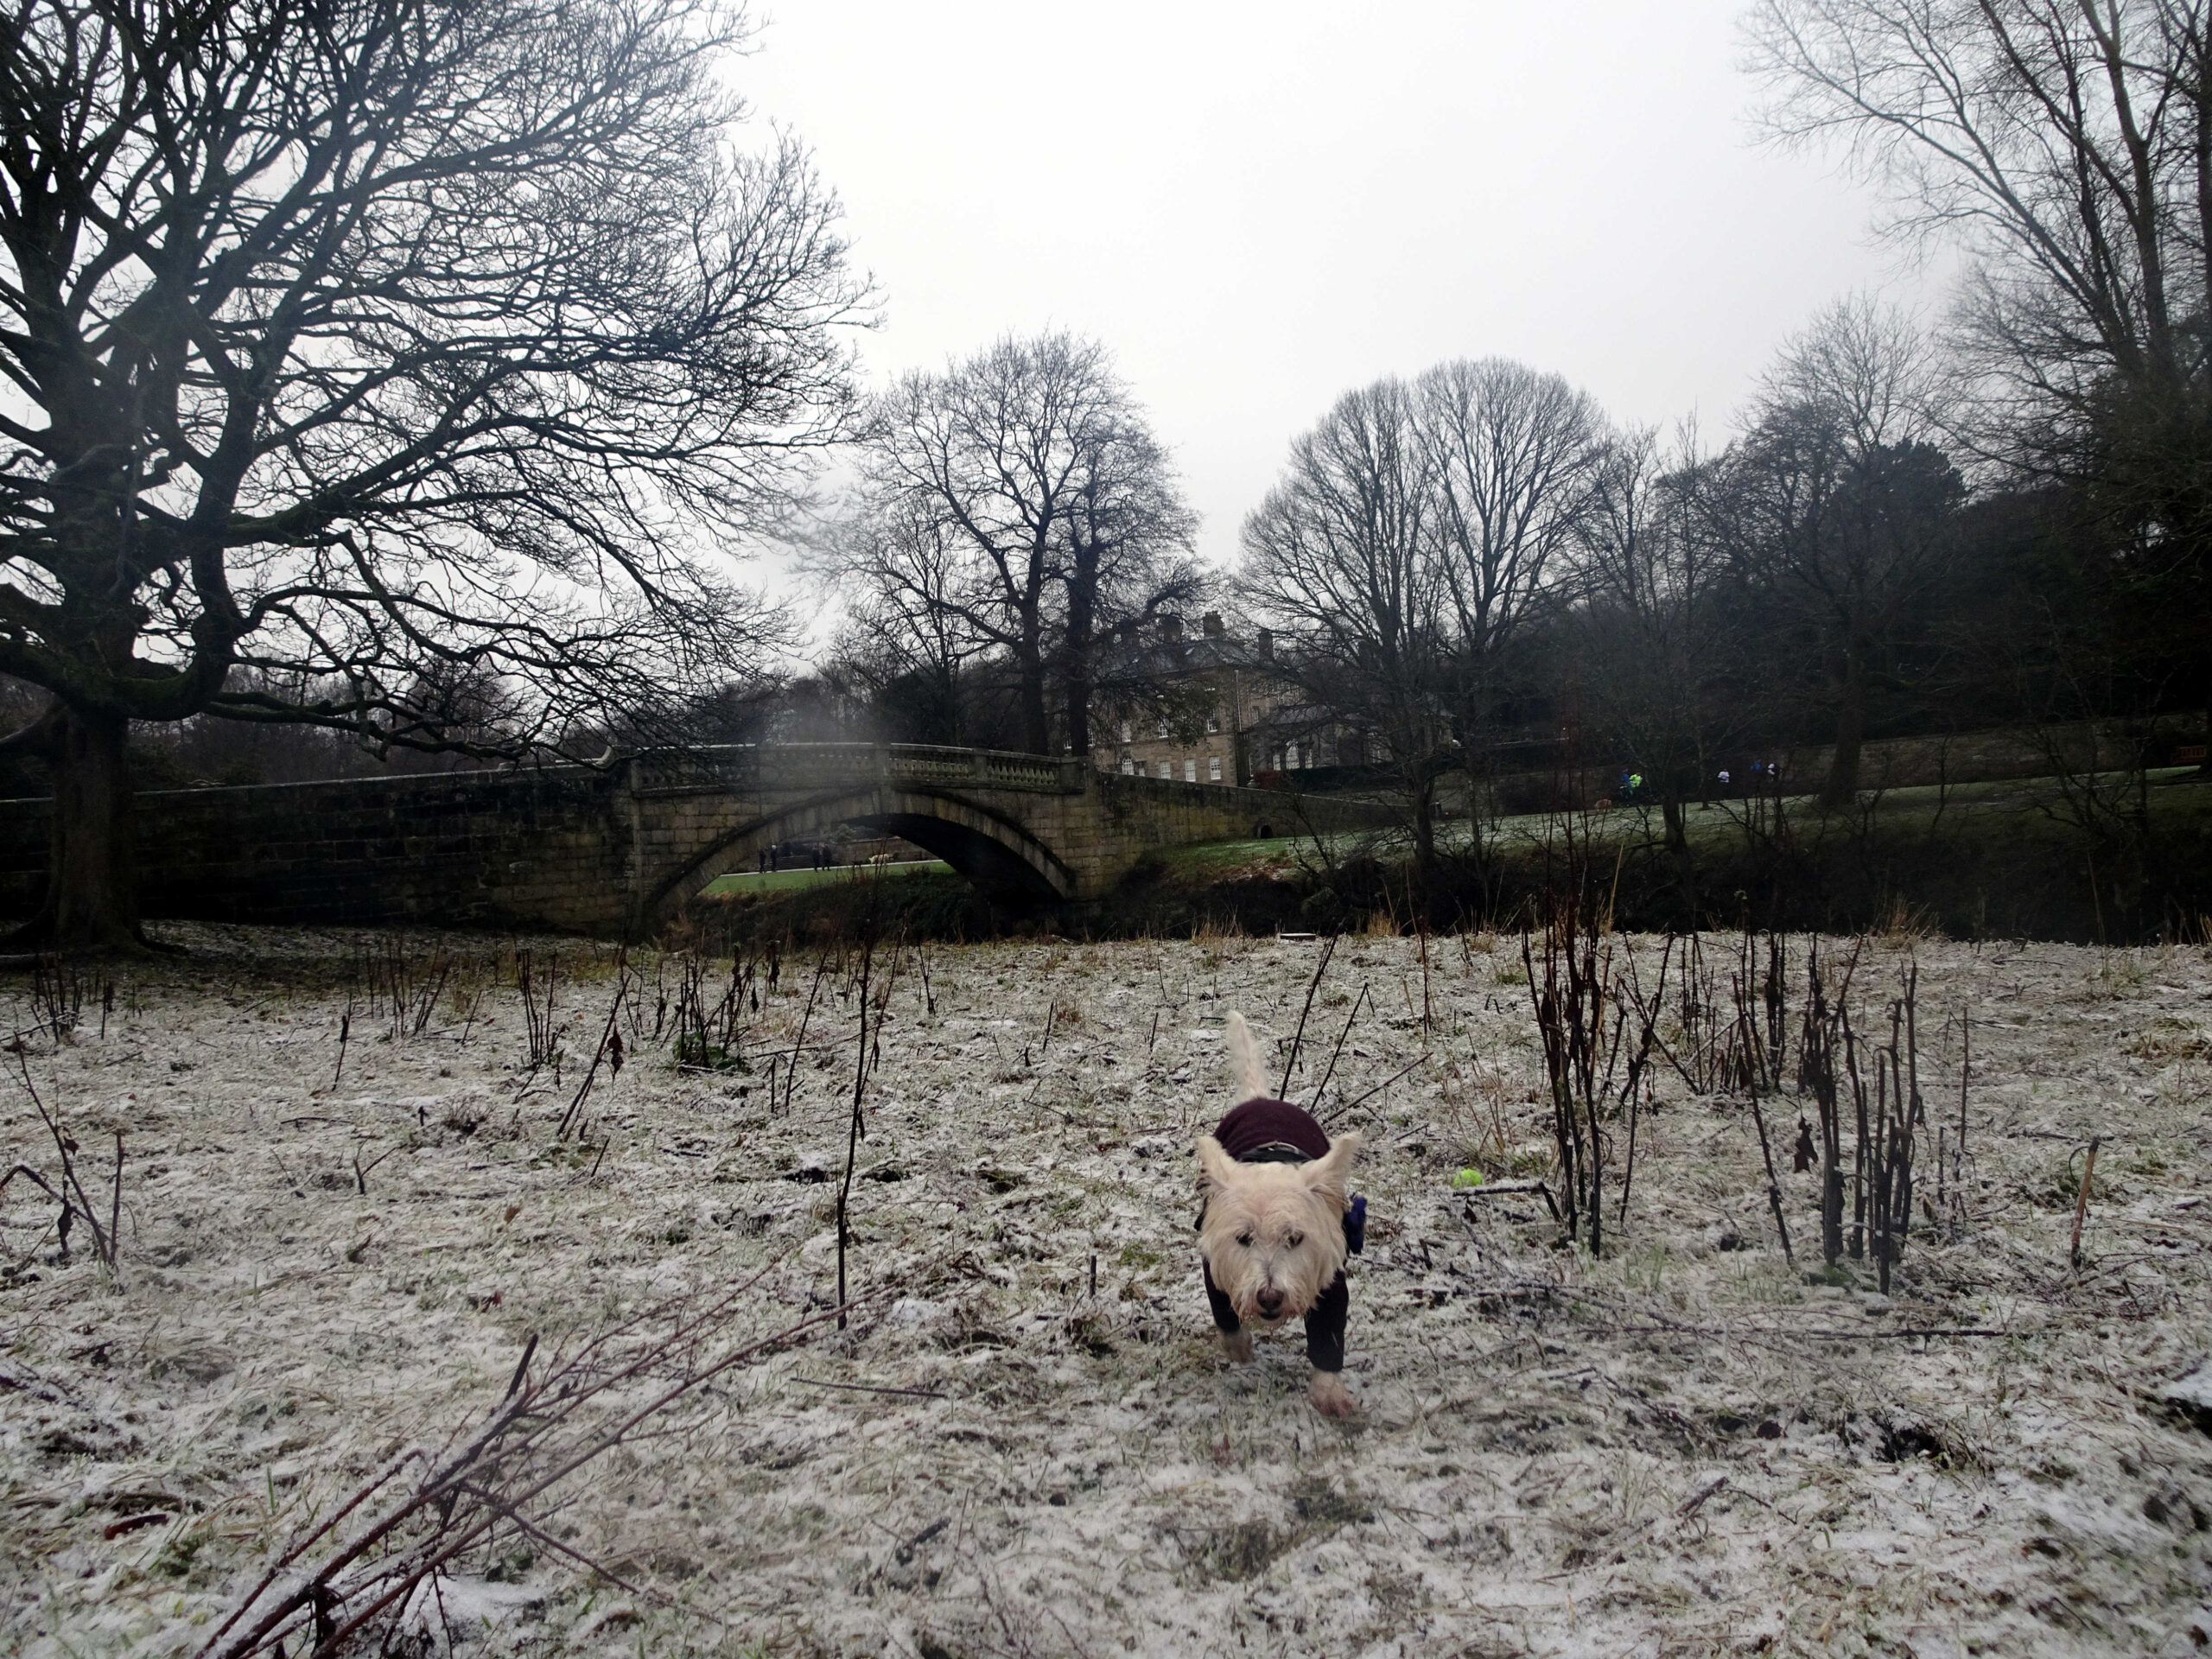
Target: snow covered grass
[[1684, 1447]]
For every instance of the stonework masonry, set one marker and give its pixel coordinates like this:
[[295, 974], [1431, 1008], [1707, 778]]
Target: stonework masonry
[[611, 851]]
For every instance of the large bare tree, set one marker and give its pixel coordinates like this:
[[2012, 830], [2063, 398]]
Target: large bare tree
[[1033, 508], [2067, 144], [1514, 459], [905, 633], [1655, 655], [1419, 534], [1839, 501], [1339, 557], [373, 344]]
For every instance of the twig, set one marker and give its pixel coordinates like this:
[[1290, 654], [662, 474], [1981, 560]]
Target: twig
[[72, 1195], [791, 1069], [361, 1171], [2082, 1205], [856, 1129], [513, 1460], [864, 1388], [1353, 1106], [1766, 1148], [1691, 1504], [1508, 1189], [522, 1366], [1339, 1048], [1320, 968], [610, 1033]]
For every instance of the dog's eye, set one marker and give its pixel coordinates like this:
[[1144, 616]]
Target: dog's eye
[[1245, 1239], [1296, 1240]]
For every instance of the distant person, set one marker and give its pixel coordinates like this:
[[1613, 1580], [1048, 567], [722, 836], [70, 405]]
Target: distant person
[[763, 860], [1724, 780]]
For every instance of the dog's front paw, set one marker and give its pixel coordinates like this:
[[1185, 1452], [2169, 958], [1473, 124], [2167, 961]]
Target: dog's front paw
[[1236, 1346], [1331, 1398]]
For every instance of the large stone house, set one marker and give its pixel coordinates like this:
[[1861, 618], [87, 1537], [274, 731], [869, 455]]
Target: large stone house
[[1221, 712]]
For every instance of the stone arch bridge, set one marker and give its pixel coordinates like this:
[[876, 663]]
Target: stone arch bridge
[[611, 850]]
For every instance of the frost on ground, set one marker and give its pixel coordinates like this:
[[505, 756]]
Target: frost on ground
[[1684, 1447]]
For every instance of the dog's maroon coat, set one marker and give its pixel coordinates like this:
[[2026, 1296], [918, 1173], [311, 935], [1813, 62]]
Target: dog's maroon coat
[[1274, 1131], [1260, 1123]]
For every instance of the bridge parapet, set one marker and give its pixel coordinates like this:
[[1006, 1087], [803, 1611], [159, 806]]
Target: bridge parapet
[[754, 768]]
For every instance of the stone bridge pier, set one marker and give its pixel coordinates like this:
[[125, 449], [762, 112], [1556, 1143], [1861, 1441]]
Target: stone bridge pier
[[613, 850]]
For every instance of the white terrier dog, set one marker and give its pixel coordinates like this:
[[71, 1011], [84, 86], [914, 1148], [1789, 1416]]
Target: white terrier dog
[[1273, 1237]]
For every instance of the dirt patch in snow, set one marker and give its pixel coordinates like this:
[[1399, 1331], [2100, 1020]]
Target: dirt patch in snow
[[1684, 1447]]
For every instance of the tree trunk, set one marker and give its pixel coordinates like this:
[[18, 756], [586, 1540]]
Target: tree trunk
[[1078, 678], [949, 727], [1678, 835], [1083, 610], [92, 891], [1078, 700], [1424, 833], [1842, 787], [1036, 724], [1478, 802]]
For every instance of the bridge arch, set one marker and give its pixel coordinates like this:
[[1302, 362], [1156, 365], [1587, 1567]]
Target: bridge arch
[[1001, 857]]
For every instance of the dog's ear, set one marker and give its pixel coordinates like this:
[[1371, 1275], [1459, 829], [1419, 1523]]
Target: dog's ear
[[1215, 1165], [1331, 1175]]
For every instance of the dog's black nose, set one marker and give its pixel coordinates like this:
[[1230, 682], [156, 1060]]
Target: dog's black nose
[[1270, 1302]]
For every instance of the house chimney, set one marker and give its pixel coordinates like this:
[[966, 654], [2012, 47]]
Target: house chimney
[[1171, 628], [1267, 643], [1212, 624]]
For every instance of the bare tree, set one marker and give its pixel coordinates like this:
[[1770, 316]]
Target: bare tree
[[375, 342], [1338, 558], [905, 627], [1128, 557], [1034, 506], [2068, 145], [1656, 652], [1513, 459], [1839, 500]]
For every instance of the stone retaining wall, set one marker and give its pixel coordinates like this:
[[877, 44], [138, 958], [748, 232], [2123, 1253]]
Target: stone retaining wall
[[470, 848]]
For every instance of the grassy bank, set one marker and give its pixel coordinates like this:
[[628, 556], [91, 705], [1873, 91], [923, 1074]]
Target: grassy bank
[[745, 881]]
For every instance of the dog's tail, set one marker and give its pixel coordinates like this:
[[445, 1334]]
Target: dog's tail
[[1244, 1056]]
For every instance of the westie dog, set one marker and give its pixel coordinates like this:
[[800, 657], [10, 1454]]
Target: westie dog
[[1277, 1224]]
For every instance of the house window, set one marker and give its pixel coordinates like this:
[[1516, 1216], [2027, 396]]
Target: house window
[[1290, 757], [1128, 767], [1125, 731], [1167, 769], [1163, 728], [1190, 771], [1278, 766], [1213, 768], [1213, 720]]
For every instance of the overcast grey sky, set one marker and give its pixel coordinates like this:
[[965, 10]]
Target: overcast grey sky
[[1259, 206]]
